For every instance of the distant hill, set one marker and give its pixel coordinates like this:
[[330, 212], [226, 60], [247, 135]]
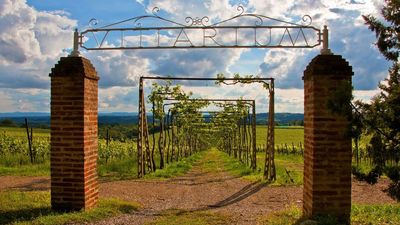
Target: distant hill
[[43, 119], [281, 118], [23, 114]]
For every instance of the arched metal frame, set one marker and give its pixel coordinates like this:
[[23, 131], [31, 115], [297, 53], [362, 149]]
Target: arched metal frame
[[277, 33], [143, 134]]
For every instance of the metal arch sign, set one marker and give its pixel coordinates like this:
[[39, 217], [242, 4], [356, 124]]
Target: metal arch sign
[[198, 33]]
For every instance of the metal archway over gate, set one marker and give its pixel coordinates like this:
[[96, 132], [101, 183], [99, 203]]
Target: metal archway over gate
[[156, 32], [257, 31]]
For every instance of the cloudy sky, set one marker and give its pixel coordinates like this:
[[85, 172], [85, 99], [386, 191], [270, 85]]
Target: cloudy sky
[[34, 34]]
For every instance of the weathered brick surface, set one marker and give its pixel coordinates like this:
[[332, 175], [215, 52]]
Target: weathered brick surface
[[327, 155], [74, 103]]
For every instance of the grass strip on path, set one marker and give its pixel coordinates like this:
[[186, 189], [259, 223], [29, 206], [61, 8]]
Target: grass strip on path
[[289, 169], [34, 207], [182, 217], [178, 168]]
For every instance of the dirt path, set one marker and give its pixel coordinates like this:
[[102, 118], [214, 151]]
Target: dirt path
[[206, 187]]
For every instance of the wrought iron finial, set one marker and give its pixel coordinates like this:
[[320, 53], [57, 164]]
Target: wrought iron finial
[[325, 42], [75, 49]]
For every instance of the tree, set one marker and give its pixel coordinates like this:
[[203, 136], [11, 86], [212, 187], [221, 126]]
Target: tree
[[384, 110], [7, 123], [387, 33]]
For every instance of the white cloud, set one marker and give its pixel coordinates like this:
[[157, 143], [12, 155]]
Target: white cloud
[[365, 96], [30, 43], [29, 99], [7, 103], [118, 99], [179, 10], [117, 68]]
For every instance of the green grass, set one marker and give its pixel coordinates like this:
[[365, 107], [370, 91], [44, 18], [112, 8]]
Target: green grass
[[289, 169], [21, 132], [118, 169], [215, 161], [177, 168], [180, 217], [363, 166], [115, 169], [237, 168], [386, 214], [292, 163], [34, 208], [287, 216], [375, 214], [283, 135], [42, 169]]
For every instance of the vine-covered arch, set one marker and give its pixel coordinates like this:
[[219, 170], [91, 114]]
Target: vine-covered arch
[[143, 131]]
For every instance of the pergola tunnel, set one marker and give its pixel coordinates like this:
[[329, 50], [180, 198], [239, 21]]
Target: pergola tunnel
[[184, 127]]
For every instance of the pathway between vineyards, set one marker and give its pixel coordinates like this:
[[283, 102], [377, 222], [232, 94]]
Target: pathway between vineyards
[[206, 188]]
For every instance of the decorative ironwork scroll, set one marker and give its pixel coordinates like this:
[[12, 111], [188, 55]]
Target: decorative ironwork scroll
[[260, 32]]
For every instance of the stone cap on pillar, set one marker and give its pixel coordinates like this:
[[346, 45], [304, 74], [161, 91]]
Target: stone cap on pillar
[[74, 66], [328, 65]]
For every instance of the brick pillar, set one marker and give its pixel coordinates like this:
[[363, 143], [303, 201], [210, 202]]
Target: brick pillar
[[74, 90], [327, 155]]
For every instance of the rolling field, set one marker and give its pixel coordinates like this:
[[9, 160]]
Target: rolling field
[[21, 132], [117, 159], [283, 135]]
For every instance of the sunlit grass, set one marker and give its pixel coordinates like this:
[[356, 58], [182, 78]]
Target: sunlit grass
[[283, 135], [125, 168], [34, 208], [181, 217], [42, 169], [177, 168], [385, 214], [21, 132], [289, 168]]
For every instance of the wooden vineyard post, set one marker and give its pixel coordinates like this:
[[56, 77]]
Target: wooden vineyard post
[[254, 142], [140, 157], [269, 168], [30, 139], [143, 135]]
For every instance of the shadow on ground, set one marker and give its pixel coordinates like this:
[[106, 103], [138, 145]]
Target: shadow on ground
[[245, 192], [30, 214]]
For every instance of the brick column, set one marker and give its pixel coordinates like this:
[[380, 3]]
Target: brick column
[[74, 90], [327, 155]]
